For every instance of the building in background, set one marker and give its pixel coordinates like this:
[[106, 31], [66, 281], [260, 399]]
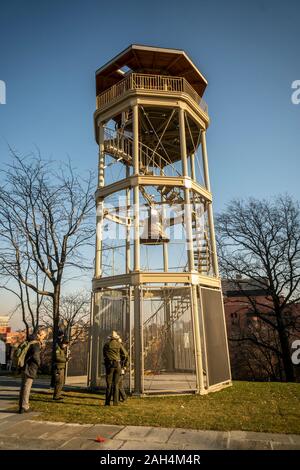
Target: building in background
[[5, 329], [8, 340], [252, 342]]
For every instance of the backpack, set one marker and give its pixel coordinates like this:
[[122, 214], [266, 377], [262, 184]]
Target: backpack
[[20, 353]]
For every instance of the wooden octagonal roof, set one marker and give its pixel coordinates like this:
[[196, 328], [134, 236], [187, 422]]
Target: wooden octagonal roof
[[152, 60]]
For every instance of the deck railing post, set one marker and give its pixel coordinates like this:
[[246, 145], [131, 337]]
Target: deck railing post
[[149, 82]]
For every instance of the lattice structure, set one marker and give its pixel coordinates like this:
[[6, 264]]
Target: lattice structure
[[156, 273]]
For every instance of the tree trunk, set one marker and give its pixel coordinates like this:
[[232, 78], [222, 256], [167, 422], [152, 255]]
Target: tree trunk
[[285, 349], [56, 300], [286, 357]]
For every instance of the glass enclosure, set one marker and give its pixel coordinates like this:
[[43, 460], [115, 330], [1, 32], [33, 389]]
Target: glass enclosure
[[167, 335]]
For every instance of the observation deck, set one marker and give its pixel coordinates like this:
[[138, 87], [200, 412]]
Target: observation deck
[[155, 74]]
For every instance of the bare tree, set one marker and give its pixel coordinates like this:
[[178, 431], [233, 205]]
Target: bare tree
[[259, 245], [45, 223], [74, 314], [254, 347]]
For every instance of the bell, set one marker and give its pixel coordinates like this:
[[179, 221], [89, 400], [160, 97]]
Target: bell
[[153, 233]]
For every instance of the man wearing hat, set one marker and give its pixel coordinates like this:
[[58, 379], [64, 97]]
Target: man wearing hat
[[61, 358], [113, 350]]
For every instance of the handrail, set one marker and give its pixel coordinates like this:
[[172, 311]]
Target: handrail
[[147, 82], [125, 143]]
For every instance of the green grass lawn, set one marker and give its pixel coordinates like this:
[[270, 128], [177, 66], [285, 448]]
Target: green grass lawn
[[247, 406]]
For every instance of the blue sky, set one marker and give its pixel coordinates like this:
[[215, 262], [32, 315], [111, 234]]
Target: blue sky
[[248, 51]]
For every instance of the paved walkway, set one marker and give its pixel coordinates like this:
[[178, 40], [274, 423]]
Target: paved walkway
[[22, 432]]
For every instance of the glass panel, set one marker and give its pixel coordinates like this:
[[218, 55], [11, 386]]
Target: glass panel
[[113, 314], [78, 363], [215, 336], [169, 358]]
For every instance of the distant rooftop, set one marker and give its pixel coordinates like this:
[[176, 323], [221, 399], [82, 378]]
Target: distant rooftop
[[240, 286], [4, 319], [149, 60]]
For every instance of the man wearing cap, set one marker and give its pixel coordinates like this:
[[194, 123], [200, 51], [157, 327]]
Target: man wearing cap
[[61, 358], [113, 350]]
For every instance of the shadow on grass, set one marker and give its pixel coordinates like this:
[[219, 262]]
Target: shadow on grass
[[64, 403], [66, 394], [66, 400]]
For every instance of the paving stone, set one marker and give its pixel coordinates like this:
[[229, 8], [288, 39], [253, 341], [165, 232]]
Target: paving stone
[[204, 447], [25, 429], [16, 428], [249, 445], [199, 439], [110, 444], [9, 420], [281, 446], [76, 443], [134, 433], [52, 423], [159, 434], [104, 430], [5, 415], [38, 429], [145, 445], [27, 444], [259, 436], [3, 424], [79, 443], [17, 418], [294, 439], [65, 432], [207, 446]]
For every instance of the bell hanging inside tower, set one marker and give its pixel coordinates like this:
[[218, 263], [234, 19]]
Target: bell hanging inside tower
[[156, 278]]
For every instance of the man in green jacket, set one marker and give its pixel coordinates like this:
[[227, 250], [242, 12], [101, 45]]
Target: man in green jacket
[[113, 352], [61, 358]]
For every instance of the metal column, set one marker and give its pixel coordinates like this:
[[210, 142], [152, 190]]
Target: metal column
[[209, 210], [138, 324], [188, 224]]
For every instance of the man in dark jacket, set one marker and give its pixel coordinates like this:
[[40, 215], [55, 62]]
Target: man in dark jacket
[[113, 350], [61, 359], [29, 371]]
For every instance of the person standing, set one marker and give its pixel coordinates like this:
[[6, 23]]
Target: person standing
[[112, 352], [124, 363], [9, 360], [29, 370], [61, 358]]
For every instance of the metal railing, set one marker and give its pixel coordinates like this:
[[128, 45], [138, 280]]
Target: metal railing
[[121, 146], [147, 82]]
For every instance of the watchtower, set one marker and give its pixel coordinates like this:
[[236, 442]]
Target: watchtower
[[156, 275]]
